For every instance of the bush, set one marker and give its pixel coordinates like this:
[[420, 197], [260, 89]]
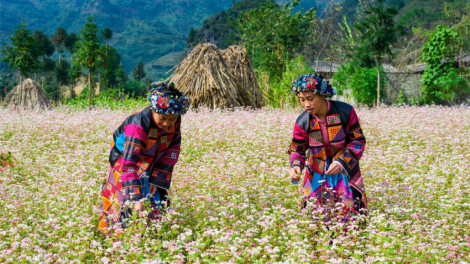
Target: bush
[[439, 53], [52, 91], [135, 89], [453, 87], [362, 82], [279, 93], [107, 99]]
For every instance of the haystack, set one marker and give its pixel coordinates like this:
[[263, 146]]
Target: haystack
[[31, 95], [205, 77], [241, 68]]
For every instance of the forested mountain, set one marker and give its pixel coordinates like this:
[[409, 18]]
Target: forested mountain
[[156, 31], [144, 30], [429, 13], [425, 14]]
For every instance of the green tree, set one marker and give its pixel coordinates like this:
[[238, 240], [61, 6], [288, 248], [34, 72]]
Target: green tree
[[121, 77], [70, 45], [462, 27], [451, 85], [438, 53], [58, 39], [376, 33], [62, 77], [139, 73], [4, 82], [89, 56], [113, 61], [43, 43], [279, 94], [22, 52], [221, 28], [273, 34], [48, 66], [135, 89], [107, 34], [148, 82], [360, 80], [45, 49]]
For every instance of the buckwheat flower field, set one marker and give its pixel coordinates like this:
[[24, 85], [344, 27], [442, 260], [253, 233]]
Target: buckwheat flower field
[[232, 200]]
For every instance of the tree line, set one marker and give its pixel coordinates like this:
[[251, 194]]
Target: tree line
[[275, 35], [31, 54], [282, 41]]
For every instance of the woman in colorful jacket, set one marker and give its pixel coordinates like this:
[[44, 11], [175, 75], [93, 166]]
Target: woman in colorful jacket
[[329, 142], [144, 150]]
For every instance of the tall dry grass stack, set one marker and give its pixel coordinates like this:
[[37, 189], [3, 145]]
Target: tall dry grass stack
[[205, 77], [30, 95], [241, 67]]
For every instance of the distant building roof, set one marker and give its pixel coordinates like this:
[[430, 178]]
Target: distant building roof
[[325, 66], [414, 68], [389, 68], [332, 67]]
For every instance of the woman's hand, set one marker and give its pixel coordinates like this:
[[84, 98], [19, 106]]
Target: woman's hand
[[153, 189], [335, 168], [294, 173], [139, 206]]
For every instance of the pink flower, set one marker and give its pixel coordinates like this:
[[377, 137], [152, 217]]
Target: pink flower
[[450, 255], [415, 215], [142, 213], [454, 247]]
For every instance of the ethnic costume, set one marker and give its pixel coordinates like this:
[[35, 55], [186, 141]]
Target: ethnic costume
[[317, 144], [142, 154]]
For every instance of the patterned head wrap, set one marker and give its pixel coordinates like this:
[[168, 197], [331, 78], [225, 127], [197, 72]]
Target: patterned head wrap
[[312, 83], [165, 99]]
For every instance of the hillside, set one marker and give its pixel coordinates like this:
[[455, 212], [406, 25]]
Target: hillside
[[220, 30], [429, 13], [144, 30], [147, 30]]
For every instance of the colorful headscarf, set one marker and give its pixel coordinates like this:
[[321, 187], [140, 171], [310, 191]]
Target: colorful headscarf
[[312, 83], [165, 99]]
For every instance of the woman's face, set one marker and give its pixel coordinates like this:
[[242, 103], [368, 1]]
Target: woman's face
[[311, 102], [164, 120]]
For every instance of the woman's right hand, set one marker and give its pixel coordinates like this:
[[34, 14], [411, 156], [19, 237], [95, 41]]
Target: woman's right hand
[[294, 173]]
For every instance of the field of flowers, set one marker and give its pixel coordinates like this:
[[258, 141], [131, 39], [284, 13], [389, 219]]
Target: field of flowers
[[231, 196]]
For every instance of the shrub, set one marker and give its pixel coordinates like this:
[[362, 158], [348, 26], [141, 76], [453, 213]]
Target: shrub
[[362, 82], [279, 93]]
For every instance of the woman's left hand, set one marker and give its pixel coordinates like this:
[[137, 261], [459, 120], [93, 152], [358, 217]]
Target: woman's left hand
[[138, 206], [153, 189], [334, 169]]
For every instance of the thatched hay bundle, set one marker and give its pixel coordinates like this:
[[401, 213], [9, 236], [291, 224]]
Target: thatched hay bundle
[[241, 68], [29, 95], [206, 79]]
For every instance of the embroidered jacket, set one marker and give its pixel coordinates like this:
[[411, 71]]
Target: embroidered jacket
[[140, 145], [347, 142]]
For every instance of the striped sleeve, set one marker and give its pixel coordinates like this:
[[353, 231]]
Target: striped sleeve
[[163, 168], [135, 138], [349, 157], [298, 147]]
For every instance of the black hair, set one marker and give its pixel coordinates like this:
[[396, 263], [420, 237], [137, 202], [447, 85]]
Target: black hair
[[168, 89]]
